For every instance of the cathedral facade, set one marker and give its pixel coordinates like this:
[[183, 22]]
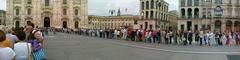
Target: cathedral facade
[[47, 13]]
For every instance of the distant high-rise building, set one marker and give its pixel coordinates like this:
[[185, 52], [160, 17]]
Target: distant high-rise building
[[47, 13]]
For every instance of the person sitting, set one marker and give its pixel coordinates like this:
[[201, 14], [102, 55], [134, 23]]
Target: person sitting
[[6, 53], [22, 48]]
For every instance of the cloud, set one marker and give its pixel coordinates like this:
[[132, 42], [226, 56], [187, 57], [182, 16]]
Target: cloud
[[102, 7], [3, 4], [173, 4]]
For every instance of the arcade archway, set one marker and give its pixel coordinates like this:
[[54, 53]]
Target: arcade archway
[[229, 26], [237, 26]]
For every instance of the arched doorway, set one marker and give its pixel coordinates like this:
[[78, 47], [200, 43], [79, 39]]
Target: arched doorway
[[218, 25], [17, 23], [236, 26], [64, 24], [228, 26], [76, 24], [46, 22]]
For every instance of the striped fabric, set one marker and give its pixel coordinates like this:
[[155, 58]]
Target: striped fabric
[[39, 55]]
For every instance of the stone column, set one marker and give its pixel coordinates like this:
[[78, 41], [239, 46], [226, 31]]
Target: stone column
[[233, 27], [223, 26]]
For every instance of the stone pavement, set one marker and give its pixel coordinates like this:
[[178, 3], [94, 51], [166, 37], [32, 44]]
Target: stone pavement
[[75, 47]]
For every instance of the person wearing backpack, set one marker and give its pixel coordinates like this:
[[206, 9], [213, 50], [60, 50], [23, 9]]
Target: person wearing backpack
[[36, 40]]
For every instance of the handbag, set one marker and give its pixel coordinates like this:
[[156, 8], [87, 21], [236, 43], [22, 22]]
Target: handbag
[[29, 57], [39, 55]]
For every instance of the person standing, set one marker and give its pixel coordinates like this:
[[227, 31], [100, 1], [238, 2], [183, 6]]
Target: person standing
[[201, 34], [22, 48], [197, 38], [190, 37], [170, 37], [212, 40], [6, 53], [154, 36], [12, 37], [237, 38], [167, 36], [158, 36], [206, 38], [185, 38], [228, 39], [36, 40]]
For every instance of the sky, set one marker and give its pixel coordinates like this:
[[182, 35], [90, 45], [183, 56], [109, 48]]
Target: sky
[[102, 7]]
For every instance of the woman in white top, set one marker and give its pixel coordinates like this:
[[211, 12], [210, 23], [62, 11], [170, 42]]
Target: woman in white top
[[6, 53], [22, 48]]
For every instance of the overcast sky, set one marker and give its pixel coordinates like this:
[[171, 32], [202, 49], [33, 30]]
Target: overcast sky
[[102, 7]]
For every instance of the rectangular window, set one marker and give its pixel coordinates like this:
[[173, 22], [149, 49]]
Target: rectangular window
[[196, 2], [182, 27], [151, 27], [189, 3], [142, 5], [29, 2], [230, 12], [183, 3], [230, 1], [152, 4], [46, 2], [238, 12], [204, 13], [76, 12], [17, 11], [195, 27], [147, 5], [218, 2], [237, 2], [209, 12], [64, 1], [29, 12]]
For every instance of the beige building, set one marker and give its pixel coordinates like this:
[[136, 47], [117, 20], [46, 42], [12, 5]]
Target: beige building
[[222, 15], [112, 22], [48, 13], [173, 18], [2, 17], [154, 14]]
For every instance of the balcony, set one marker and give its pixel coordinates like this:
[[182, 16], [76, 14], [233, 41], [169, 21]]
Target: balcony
[[47, 8]]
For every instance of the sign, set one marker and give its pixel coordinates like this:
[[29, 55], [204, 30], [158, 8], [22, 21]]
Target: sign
[[218, 11]]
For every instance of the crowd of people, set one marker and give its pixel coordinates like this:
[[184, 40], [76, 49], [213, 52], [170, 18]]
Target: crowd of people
[[24, 43], [201, 38]]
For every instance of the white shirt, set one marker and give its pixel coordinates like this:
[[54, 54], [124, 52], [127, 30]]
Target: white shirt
[[6, 53], [22, 50]]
